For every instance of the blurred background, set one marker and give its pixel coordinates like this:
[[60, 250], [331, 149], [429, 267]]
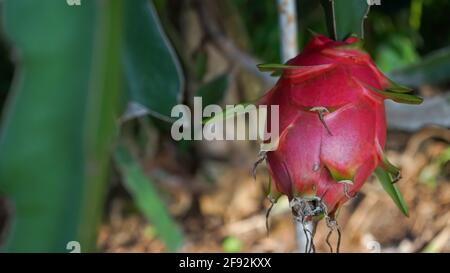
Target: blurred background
[[86, 90]]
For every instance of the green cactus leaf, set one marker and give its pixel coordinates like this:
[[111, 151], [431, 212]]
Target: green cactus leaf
[[151, 65], [272, 192], [276, 69], [398, 88], [229, 113], [401, 97], [61, 121], [345, 17], [386, 182], [359, 45], [269, 186], [389, 167], [396, 95]]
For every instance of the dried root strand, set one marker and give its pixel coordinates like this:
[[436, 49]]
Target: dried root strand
[[261, 157], [321, 110], [307, 247], [310, 247], [330, 232], [273, 201], [338, 246], [332, 226]]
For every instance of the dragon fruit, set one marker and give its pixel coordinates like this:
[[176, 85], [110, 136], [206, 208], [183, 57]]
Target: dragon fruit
[[332, 122]]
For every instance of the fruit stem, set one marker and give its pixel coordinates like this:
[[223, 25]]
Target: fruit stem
[[305, 212], [287, 13], [304, 234]]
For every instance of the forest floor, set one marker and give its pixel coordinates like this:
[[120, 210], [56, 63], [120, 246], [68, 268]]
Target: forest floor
[[229, 214]]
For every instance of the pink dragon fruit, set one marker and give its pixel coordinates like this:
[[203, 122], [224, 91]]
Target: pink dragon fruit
[[332, 121]]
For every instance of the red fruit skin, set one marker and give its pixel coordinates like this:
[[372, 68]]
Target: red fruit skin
[[311, 160]]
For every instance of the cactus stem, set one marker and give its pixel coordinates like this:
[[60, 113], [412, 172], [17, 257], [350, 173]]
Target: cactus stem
[[261, 157]]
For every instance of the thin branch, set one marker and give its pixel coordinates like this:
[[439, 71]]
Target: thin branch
[[288, 29], [227, 47]]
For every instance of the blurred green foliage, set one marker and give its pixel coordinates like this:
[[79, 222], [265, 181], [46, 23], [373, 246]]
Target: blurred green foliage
[[261, 21], [232, 244], [430, 174], [60, 123], [213, 92], [148, 199], [55, 100], [432, 69], [340, 22], [397, 32], [148, 73], [396, 52]]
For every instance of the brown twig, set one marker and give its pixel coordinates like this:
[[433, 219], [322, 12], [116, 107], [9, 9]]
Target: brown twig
[[228, 47]]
